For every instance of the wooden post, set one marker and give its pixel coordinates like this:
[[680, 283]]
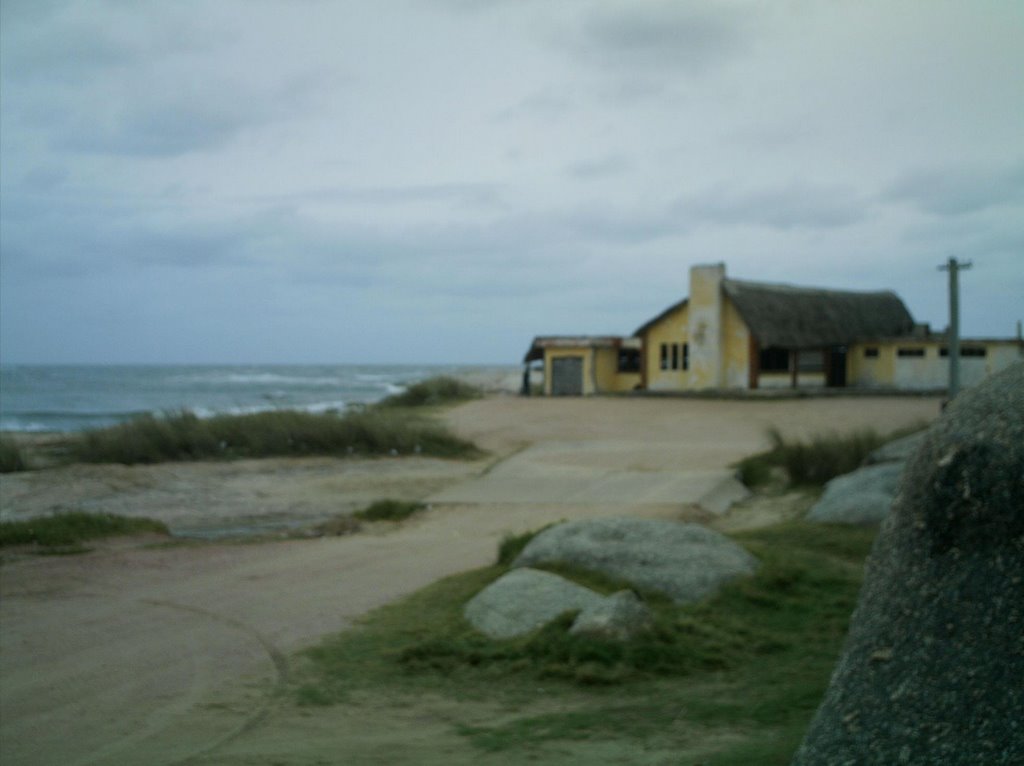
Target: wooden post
[[794, 361], [755, 362]]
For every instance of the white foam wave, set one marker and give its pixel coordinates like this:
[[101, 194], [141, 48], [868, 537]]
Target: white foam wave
[[23, 426], [263, 378]]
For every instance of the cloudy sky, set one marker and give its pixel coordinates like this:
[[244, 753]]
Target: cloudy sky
[[441, 180]]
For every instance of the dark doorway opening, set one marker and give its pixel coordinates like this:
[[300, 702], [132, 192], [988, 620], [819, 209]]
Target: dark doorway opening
[[836, 367]]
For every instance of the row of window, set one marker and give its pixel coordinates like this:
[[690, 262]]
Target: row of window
[[675, 356], [871, 352]]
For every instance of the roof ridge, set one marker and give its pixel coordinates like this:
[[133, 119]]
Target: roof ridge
[[784, 286]]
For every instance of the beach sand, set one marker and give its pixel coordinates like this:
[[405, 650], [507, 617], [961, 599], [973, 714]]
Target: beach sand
[[156, 654]]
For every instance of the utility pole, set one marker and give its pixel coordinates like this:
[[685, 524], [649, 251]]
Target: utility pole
[[954, 268]]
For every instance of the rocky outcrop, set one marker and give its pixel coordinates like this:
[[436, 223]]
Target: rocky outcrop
[[932, 671], [862, 497], [685, 562]]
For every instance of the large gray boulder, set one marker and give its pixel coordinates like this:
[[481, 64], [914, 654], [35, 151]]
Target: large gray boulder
[[899, 450], [932, 671], [862, 497], [685, 562], [523, 600]]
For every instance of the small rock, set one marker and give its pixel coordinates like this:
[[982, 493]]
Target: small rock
[[524, 600], [619, 617]]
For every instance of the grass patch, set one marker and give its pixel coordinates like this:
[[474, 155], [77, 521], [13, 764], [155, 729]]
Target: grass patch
[[389, 510], [12, 457], [72, 528], [817, 460], [755, 658], [512, 545], [185, 436], [433, 392]]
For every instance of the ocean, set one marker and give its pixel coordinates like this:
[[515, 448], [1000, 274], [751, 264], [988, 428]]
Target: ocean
[[53, 398]]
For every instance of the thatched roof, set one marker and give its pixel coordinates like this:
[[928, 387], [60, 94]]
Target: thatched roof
[[802, 317]]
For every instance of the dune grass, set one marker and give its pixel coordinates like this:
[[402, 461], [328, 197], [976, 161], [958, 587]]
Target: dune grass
[[74, 527], [433, 392], [817, 460], [755, 658], [12, 456], [185, 436]]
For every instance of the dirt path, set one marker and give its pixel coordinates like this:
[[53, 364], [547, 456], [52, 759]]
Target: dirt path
[[117, 656]]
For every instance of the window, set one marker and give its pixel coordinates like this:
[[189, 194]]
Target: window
[[871, 352], [976, 351], [670, 359], [774, 359], [629, 360], [910, 352]]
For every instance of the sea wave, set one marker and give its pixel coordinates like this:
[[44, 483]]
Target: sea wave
[[259, 378]]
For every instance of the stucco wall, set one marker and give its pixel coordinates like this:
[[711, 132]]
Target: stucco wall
[[609, 379], [671, 329], [870, 372], [735, 348], [931, 371], [705, 326]]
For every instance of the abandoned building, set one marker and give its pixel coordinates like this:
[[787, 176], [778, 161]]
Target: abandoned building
[[735, 334]]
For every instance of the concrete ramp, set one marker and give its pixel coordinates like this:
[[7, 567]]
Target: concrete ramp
[[581, 474]]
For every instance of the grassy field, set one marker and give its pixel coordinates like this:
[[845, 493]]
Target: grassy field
[[735, 678]]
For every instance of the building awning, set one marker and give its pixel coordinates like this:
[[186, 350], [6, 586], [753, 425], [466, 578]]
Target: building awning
[[542, 342]]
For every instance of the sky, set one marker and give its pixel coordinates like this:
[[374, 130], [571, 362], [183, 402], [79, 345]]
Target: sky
[[438, 181]]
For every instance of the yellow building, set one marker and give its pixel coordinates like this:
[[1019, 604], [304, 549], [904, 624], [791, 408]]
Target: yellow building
[[735, 334]]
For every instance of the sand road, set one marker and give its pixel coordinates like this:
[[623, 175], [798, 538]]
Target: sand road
[[116, 656]]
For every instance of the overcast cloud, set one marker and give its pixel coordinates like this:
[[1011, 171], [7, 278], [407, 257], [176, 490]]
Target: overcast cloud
[[441, 180]]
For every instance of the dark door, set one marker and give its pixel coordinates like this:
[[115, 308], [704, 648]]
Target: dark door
[[567, 376], [837, 367]]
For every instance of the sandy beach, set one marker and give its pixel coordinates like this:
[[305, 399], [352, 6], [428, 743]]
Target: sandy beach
[[166, 654]]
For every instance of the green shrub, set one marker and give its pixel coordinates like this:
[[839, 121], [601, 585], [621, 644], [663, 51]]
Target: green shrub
[[12, 457], [816, 461], [184, 436], [389, 510], [433, 392], [74, 527]]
